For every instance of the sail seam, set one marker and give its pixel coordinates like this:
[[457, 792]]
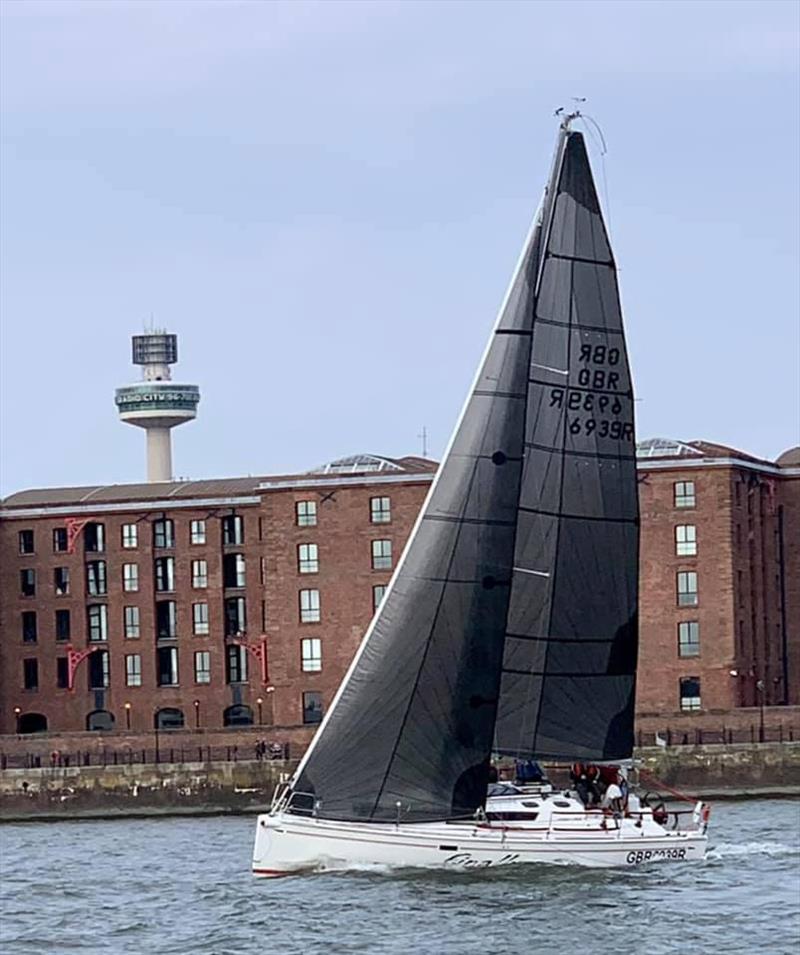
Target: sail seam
[[609, 263], [572, 640], [578, 517], [571, 675], [483, 392], [513, 331], [468, 520], [583, 454], [594, 391], [580, 327]]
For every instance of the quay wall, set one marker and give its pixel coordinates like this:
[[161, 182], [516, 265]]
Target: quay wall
[[59, 792]]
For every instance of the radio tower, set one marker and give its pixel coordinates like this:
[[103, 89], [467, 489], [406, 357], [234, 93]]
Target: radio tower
[[157, 405]]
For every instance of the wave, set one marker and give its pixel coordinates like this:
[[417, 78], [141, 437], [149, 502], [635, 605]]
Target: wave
[[725, 850]]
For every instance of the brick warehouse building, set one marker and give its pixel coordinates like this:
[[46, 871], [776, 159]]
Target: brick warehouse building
[[184, 591]]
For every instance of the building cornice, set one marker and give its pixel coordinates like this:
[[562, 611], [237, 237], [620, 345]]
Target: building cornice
[[421, 477], [683, 464], [171, 504]]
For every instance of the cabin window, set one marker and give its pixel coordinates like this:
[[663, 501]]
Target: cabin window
[[686, 540], [27, 582], [690, 693], [131, 622], [200, 618], [689, 638], [687, 588], [309, 606], [306, 513], [130, 536], [307, 558], [381, 555], [312, 707], [197, 532], [61, 581], [130, 577], [29, 627], [311, 654], [26, 542], [380, 510], [133, 669], [684, 494], [202, 666], [199, 574]]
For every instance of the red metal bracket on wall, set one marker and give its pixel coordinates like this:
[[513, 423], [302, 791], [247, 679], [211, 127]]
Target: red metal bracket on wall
[[74, 527], [259, 651], [74, 660]]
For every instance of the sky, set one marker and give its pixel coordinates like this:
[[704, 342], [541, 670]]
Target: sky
[[325, 201]]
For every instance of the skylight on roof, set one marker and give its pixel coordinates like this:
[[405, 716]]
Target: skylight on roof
[[357, 463], [665, 448]]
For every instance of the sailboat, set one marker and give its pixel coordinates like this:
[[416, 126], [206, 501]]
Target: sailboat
[[510, 624]]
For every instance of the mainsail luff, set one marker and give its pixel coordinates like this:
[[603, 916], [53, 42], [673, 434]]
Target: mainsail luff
[[570, 653]]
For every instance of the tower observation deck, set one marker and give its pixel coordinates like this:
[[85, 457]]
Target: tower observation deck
[[157, 404]]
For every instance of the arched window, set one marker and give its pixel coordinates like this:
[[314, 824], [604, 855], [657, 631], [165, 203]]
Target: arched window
[[170, 718], [237, 716], [32, 723], [100, 720]]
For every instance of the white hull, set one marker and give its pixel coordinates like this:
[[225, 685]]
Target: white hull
[[289, 844]]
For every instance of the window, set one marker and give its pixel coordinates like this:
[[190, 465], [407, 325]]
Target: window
[[63, 628], [199, 574], [167, 666], [163, 533], [29, 629], [235, 616], [312, 707], [61, 581], [684, 494], [165, 574], [306, 513], [237, 715], [307, 558], [197, 532], [377, 595], [311, 655], [202, 666], [236, 665], [99, 676], [131, 621], [100, 721], [689, 638], [170, 718], [94, 537], [690, 693], [96, 578], [62, 673], [97, 622], [130, 538], [166, 619], [130, 577], [309, 606], [381, 555], [26, 542], [380, 510], [233, 570], [200, 618], [687, 588], [30, 674], [686, 540], [60, 542], [133, 669], [232, 529], [27, 582]]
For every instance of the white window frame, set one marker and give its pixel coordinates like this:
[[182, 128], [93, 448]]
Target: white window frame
[[382, 554], [380, 510], [200, 618], [168, 575], [690, 628], [310, 611], [199, 574], [130, 578], [307, 559], [686, 596], [133, 669], [130, 536], [305, 513], [131, 622], [102, 623], [311, 654], [202, 666], [197, 532], [686, 540], [378, 592], [685, 494], [690, 704]]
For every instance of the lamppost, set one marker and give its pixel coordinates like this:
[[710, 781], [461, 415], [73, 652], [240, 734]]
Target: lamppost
[[17, 712], [260, 703], [155, 731], [197, 714], [127, 716], [760, 688]]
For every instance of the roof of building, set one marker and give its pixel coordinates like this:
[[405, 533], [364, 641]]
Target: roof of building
[[670, 448], [789, 459], [214, 487]]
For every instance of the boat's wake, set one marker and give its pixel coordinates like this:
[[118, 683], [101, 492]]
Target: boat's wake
[[727, 850]]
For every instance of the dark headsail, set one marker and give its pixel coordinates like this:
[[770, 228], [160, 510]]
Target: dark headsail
[[570, 656], [512, 611], [414, 721]]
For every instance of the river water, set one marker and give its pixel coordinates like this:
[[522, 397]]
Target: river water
[[182, 887]]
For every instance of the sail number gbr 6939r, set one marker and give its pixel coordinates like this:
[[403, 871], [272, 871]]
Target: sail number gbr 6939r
[[597, 395]]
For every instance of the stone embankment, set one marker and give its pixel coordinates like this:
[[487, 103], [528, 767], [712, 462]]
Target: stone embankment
[[720, 771]]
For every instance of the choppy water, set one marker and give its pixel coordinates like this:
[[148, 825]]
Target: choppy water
[[182, 887]]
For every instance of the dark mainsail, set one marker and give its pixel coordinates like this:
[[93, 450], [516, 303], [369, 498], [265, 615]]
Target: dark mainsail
[[511, 619], [570, 653]]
